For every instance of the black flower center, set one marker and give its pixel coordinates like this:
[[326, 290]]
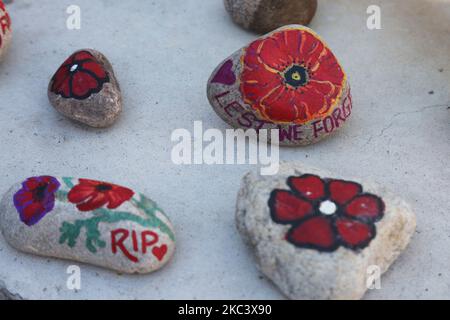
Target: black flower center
[[296, 76], [39, 192], [103, 187]]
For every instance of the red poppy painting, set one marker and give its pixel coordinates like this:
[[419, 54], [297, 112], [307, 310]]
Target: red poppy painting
[[80, 76], [36, 198], [89, 195], [291, 76], [326, 214]]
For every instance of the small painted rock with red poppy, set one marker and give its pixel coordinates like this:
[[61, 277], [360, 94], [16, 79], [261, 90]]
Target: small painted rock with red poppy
[[287, 80], [266, 15], [85, 89], [318, 236], [5, 30], [89, 221]]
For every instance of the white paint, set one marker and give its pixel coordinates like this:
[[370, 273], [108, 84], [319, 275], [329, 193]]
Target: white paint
[[73, 68], [328, 207]]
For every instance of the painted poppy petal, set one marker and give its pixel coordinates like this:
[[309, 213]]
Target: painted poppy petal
[[314, 101], [117, 196], [97, 201], [285, 207], [32, 212], [309, 186], [354, 234], [316, 232], [82, 55], [59, 77], [80, 193], [367, 207], [95, 68], [272, 56], [83, 83], [343, 191], [278, 105]]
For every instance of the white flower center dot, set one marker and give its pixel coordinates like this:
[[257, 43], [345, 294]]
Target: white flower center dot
[[73, 68], [328, 207]]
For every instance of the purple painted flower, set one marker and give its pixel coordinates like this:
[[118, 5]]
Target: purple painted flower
[[36, 198]]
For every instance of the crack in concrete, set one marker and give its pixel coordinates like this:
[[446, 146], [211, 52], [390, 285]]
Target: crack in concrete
[[385, 128]]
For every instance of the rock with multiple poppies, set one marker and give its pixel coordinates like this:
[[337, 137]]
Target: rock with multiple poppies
[[88, 221], [5, 30], [287, 80], [85, 89], [266, 15], [318, 236]]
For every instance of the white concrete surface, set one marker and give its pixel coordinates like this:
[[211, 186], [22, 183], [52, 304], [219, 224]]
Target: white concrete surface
[[163, 52]]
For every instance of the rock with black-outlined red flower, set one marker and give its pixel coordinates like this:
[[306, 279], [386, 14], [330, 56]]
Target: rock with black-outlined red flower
[[266, 15], [89, 221], [5, 30], [287, 80], [85, 89], [320, 236]]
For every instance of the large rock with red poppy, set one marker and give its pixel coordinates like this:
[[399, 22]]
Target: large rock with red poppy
[[89, 221], [85, 89], [266, 15], [319, 236], [287, 80], [5, 30]]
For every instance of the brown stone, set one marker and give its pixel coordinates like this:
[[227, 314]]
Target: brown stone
[[263, 16]]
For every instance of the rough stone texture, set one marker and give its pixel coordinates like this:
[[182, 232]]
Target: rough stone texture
[[308, 273], [395, 120], [129, 236], [228, 100], [5, 30], [100, 109], [263, 16]]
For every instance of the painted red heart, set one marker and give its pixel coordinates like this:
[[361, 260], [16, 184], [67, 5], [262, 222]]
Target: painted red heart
[[159, 252], [225, 75]]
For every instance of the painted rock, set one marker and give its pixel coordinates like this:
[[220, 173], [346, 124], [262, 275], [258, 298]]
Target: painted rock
[[287, 80], [5, 30], [266, 15], [87, 221], [85, 89], [318, 236]]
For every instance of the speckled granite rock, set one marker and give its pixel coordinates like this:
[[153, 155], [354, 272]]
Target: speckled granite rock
[[5, 30], [87, 221], [315, 235], [85, 89], [266, 15], [287, 80]]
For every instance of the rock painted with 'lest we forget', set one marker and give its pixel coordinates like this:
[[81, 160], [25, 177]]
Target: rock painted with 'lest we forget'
[[266, 15], [288, 80], [318, 236], [89, 221], [85, 89], [5, 30]]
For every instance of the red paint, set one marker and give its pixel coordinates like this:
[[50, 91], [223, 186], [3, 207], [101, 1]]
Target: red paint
[[160, 252], [121, 239], [291, 77], [89, 195], [5, 22], [351, 224], [119, 243]]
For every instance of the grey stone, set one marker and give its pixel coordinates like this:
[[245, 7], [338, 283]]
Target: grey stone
[[266, 15], [321, 246], [94, 222], [5, 30], [85, 89], [287, 80]]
